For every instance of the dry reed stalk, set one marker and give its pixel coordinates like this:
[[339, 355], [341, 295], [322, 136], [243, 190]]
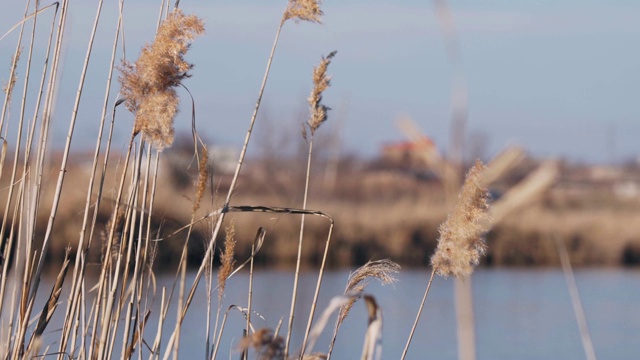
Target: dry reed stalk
[[420, 308], [136, 336], [40, 93], [258, 239], [139, 261], [149, 85], [14, 64], [381, 270], [19, 266], [3, 154], [5, 106], [372, 348], [209, 287], [460, 244], [258, 246], [317, 116], [336, 303], [155, 349], [52, 302], [44, 74], [291, 12], [227, 262], [26, 306], [83, 248], [149, 89], [110, 272], [120, 274], [23, 104], [65, 156], [222, 326], [8, 245], [31, 211], [182, 273], [160, 16], [26, 202], [576, 303], [208, 274], [29, 16], [26, 223], [149, 252]]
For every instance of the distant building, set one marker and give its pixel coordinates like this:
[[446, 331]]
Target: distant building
[[409, 153]]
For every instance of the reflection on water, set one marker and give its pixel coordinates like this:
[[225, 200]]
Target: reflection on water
[[520, 314]]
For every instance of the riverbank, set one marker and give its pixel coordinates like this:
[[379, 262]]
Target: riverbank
[[377, 214]]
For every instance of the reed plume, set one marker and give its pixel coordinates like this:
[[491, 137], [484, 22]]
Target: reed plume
[[303, 10], [148, 86], [318, 115], [227, 260], [381, 270], [203, 176], [7, 86], [321, 82], [461, 245]]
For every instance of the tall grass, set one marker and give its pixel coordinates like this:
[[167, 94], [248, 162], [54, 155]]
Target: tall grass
[[106, 316]]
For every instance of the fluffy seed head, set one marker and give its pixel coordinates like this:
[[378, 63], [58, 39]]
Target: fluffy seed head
[[321, 82], [148, 85], [203, 175], [461, 245], [303, 10], [227, 260], [381, 270], [7, 86]]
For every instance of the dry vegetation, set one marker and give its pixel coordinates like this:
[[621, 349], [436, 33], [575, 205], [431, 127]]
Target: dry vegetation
[[125, 216]]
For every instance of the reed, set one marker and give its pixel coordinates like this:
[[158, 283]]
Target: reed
[[107, 316], [318, 115], [461, 244]]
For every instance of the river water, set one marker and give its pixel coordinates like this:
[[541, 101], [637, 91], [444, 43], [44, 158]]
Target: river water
[[520, 314]]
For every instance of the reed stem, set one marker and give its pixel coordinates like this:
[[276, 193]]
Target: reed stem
[[415, 322]]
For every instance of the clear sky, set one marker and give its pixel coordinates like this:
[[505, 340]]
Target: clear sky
[[561, 78]]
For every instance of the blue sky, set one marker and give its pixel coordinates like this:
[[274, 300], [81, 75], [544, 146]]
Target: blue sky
[[561, 78]]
